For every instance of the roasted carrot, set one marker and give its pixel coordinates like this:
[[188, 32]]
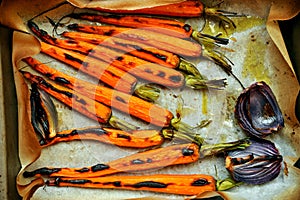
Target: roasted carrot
[[134, 139], [153, 37], [170, 27], [193, 184], [137, 49], [152, 159], [148, 71], [86, 106], [160, 41], [187, 8], [108, 74], [126, 103]]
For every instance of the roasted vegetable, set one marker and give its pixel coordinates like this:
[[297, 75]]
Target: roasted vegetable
[[134, 139], [151, 159], [258, 112], [187, 8], [138, 67], [72, 99], [166, 183], [166, 26], [257, 164], [43, 114], [126, 103], [183, 48], [108, 74]]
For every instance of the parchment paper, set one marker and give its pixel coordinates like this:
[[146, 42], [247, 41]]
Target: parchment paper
[[281, 79]]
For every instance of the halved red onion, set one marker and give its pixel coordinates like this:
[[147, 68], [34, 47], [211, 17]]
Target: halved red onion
[[257, 111], [257, 164]]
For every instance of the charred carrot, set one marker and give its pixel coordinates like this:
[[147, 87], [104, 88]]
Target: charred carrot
[[126, 103], [160, 25], [193, 184], [134, 139], [139, 67], [151, 159], [108, 74], [148, 71], [137, 49], [160, 41], [72, 99]]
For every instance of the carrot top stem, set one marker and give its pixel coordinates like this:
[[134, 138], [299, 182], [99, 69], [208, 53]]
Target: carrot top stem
[[200, 83], [223, 16], [121, 124], [205, 38], [218, 59], [226, 184], [147, 92], [213, 149]]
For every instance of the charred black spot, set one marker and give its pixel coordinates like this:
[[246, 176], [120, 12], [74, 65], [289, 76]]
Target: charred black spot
[[120, 99], [71, 41], [161, 57], [187, 152], [175, 79], [48, 85], [137, 161], [150, 184], [76, 181], [149, 160], [85, 169], [69, 57], [80, 100], [114, 183], [61, 80], [187, 28], [41, 171], [161, 74], [127, 137], [113, 16], [99, 167], [200, 182], [73, 26], [109, 33], [119, 58], [149, 71]]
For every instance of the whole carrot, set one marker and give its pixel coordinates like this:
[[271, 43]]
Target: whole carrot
[[151, 159], [170, 27], [136, 66], [147, 36], [193, 184], [132, 139], [126, 103]]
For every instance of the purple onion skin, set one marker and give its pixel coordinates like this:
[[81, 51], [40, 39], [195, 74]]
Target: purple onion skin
[[257, 111], [257, 164]]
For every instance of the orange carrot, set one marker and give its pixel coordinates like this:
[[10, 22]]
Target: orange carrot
[[126, 103], [152, 159], [188, 8], [160, 41], [111, 75], [153, 36], [137, 49], [193, 184], [72, 99], [134, 139], [169, 27]]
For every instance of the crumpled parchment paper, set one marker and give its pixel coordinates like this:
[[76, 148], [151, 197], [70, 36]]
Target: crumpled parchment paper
[[16, 13]]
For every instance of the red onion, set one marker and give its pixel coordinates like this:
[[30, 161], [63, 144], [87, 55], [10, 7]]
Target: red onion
[[257, 111], [257, 164]]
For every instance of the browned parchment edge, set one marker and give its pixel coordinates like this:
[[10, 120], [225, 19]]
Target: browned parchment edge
[[29, 148]]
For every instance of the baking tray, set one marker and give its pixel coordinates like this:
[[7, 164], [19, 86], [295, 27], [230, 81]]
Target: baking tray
[[8, 104]]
